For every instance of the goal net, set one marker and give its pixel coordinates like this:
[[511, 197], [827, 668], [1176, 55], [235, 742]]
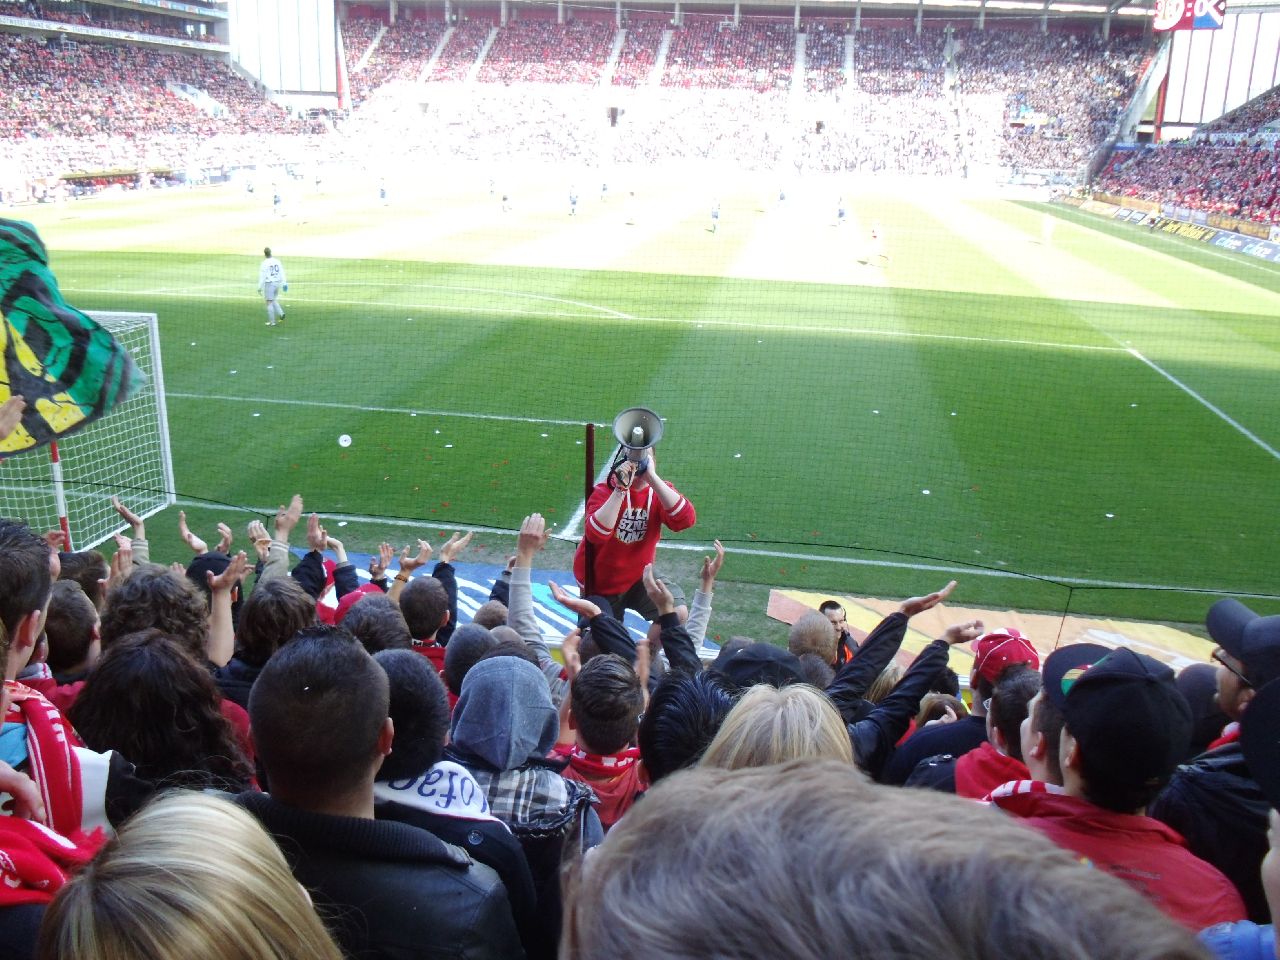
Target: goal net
[[126, 453]]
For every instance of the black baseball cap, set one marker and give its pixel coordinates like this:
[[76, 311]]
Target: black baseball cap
[[761, 663], [1252, 639], [1123, 708]]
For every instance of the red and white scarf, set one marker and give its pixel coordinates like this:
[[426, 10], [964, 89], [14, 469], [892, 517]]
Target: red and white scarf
[[35, 862], [52, 762], [603, 767]]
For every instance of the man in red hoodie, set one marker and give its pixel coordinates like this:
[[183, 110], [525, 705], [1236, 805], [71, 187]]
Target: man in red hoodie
[[1124, 728], [624, 520]]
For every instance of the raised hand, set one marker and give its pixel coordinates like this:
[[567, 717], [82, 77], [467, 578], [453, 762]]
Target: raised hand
[[711, 567], [579, 605], [11, 414], [963, 632], [454, 546], [287, 518], [658, 592], [410, 563], [531, 539], [225, 538], [378, 564], [236, 571], [190, 539], [259, 538], [131, 518], [917, 605]]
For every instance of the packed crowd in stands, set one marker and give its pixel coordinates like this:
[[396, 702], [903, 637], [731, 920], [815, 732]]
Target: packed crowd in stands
[[224, 727], [824, 56], [357, 35], [1062, 94], [639, 51], [1237, 180], [543, 51], [401, 55], [109, 18], [460, 53], [1250, 117], [711, 53], [934, 103]]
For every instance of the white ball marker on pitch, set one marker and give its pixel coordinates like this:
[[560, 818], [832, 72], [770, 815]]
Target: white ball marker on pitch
[[344, 440]]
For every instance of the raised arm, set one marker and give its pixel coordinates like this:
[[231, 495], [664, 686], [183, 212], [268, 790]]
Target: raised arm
[[875, 653], [700, 609], [681, 652]]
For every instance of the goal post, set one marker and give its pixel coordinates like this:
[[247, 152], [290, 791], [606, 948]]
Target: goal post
[[69, 485]]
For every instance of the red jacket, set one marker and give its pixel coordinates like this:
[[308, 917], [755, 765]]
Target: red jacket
[[615, 793], [980, 771], [622, 553], [1143, 852]]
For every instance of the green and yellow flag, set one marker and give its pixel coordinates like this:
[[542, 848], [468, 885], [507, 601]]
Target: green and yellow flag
[[70, 370]]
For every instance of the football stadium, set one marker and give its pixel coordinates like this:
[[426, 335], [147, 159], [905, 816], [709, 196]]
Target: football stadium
[[878, 294]]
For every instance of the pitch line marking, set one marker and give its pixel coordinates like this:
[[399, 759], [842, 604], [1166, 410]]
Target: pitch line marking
[[727, 324], [579, 514], [333, 405], [771, 554], [520, 294], [1208, 405]]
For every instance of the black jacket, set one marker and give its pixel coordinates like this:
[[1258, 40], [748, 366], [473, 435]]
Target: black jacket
[[235, 680], [390, 890], [1220, 810], [967, 733], [875, 732], [494, 845]]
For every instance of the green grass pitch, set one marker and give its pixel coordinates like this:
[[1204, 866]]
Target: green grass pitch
[[1084, 404]]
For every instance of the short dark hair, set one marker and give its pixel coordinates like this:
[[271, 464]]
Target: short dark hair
[[683, 717], [1047, 720], [24, 571], [378, 624], [984, 689], [816, 671], [606, 700], [276, 610], [826, 606], [420, 711], [946, 681], [266, 251], [69, 626], [317, 710], [491, 614], [467, 645], [1013, 691], [173, 730], [424, 603], [155, 596], [87, 568]]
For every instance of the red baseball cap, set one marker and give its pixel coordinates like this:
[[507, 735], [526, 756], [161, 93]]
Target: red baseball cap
[[998, 649]]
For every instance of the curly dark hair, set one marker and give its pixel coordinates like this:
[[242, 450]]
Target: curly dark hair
[[155, 704], [155, 596]]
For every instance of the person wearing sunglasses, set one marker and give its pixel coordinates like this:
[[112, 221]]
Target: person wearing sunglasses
[[1214, 801]]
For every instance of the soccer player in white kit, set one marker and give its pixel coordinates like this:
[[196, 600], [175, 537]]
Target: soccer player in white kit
[[271, 282]]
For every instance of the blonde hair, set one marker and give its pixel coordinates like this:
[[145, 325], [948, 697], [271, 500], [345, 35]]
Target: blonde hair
[[770, 726], [808, 860], [883, 685], [191, 875]]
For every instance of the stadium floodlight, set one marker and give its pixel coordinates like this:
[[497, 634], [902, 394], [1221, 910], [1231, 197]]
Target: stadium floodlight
[[69, 484]]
